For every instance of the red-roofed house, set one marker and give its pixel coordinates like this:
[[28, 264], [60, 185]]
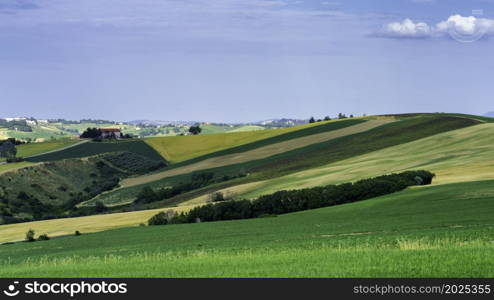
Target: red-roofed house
[[111, 133]]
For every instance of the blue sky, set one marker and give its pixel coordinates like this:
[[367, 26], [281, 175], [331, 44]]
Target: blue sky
[[244, 60]]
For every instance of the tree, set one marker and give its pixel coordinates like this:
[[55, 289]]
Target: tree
[[30, 235], [158, 219], [99, 207], [341, 116], [91, 133], [147, 195], [312, 120], [195, 130], [327, 118], [8, 150]]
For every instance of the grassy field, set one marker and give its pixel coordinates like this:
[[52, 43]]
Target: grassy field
[[39, 133], [93, 148], [309, 152], [262, 150], [420, 232], [13, 166], [87, 224], [461, 155], [181, 148], [27, 150], [247, 128]]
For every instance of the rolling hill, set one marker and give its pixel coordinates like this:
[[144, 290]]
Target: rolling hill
[[93, 148], [297, 154], [415, 233], [411, 230], [52, 189], [460, 155], [185, 148]]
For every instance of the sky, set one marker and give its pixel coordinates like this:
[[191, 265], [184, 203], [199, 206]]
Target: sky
[[244, 60]]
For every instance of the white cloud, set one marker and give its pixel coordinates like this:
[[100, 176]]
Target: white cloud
[[407, 29], [456, 26], [466, 25]]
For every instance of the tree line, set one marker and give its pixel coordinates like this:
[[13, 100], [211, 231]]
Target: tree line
[[297, 200], [328, 118]]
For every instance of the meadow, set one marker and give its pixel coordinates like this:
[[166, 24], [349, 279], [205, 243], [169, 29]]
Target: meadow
[[459, 155], [297, 154], [32, 149], [423, 231], [260, 150], [419, 232], [94, 148], [185, 148]]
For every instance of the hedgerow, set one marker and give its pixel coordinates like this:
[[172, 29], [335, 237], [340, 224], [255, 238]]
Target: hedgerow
[[297, 200]]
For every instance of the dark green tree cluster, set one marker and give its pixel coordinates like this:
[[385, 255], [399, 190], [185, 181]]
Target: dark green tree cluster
[[91, 133], [297, 200], [195, 130], [8, 150]]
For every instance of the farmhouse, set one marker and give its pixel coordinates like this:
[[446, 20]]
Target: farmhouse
[[111, 133]]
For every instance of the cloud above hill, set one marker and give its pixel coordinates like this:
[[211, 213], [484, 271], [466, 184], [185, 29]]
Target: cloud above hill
[[456, 26]]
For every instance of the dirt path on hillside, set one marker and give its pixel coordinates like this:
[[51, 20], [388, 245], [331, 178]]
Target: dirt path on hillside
[[259, 153]]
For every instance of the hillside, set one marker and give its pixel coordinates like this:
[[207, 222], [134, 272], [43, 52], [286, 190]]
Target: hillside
[[306, 153], [415, 233], [291, 156], [93, 148], [460, 155], [183, 148], [32, 149], [413, 230], [53, 189], [30, 129]]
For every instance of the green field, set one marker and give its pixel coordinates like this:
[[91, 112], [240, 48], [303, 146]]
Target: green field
[[94, 148], [181, 148], [39, 134], [420, 232], [293, 155], [27, 150], [460, 155], [219, 162], [13, 166], [43, 131]]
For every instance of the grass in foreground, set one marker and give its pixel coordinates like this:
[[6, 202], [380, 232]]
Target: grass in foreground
[[438, 231]]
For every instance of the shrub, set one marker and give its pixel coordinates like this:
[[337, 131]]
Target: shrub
[[77, 233], [43, 237], [30, 235], [216, 197], [158, 219]]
